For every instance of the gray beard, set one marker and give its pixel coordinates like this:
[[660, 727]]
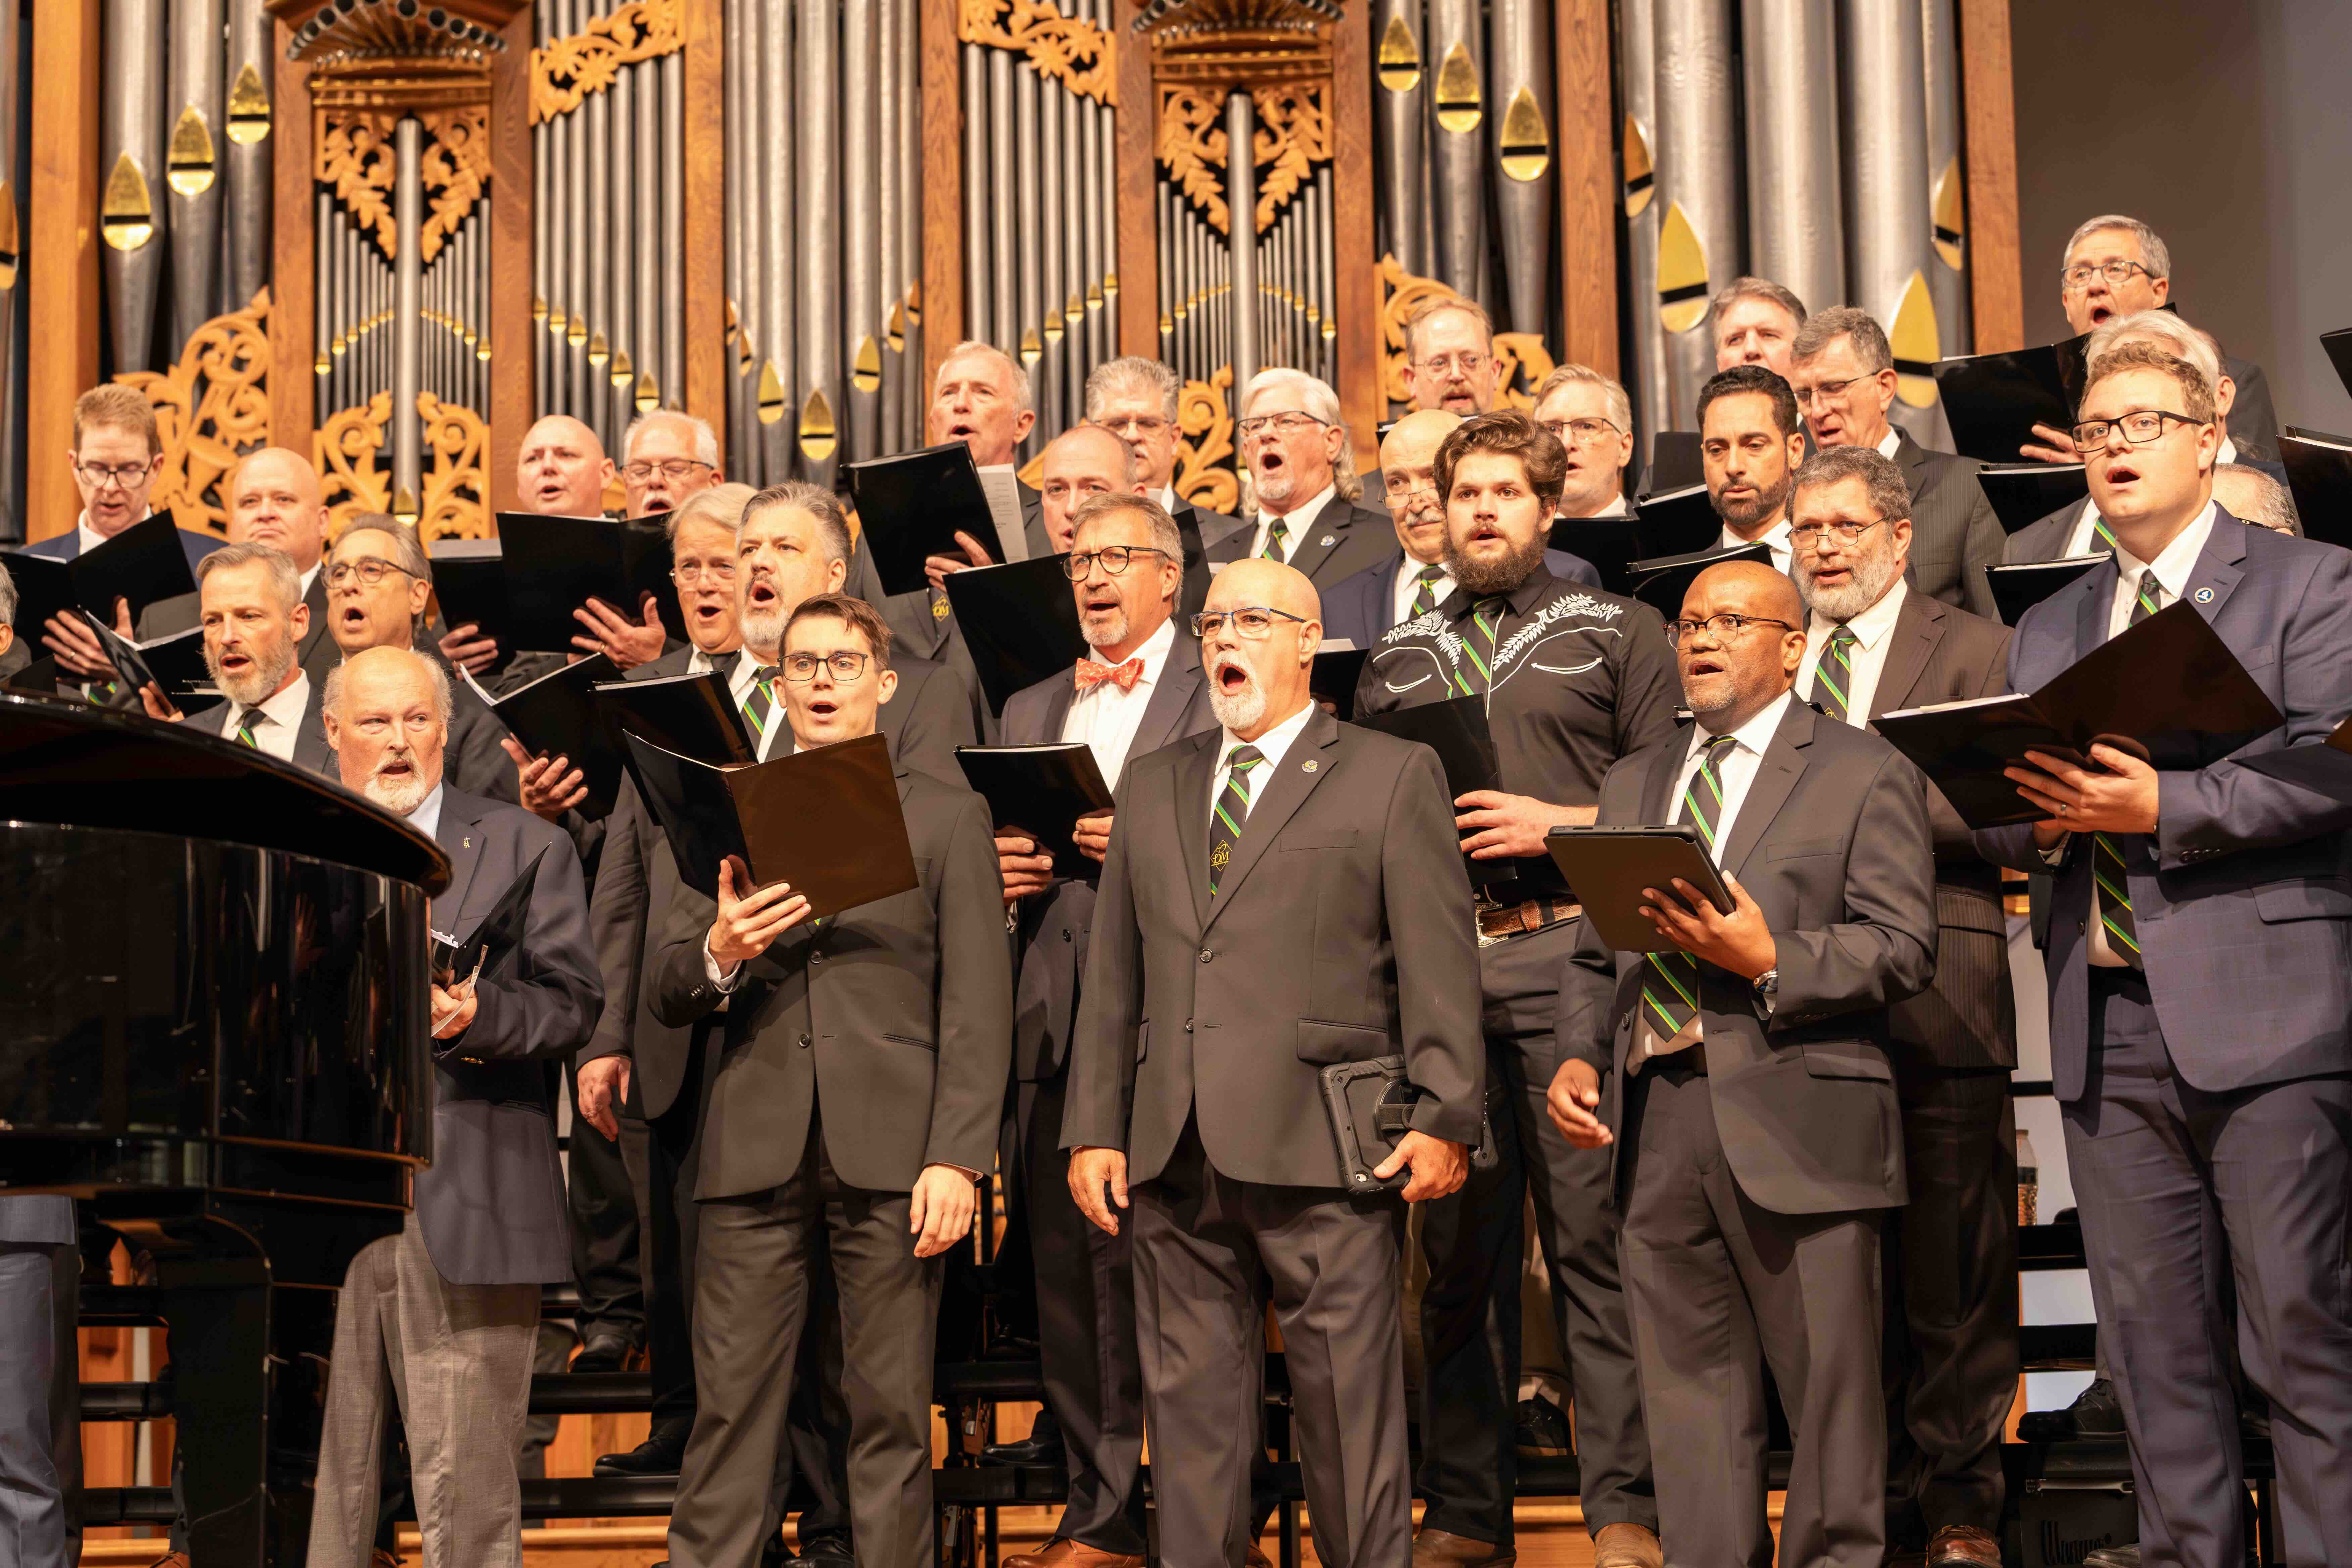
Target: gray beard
[[1843, 605], [1108, 630], [401, 799], [1478, 579], [259, 682], [1238, 710], [762, 629]]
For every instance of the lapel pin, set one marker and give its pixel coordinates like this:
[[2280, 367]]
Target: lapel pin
[[469, 844], [1328, 540], [2204, 595], [1310, 764]]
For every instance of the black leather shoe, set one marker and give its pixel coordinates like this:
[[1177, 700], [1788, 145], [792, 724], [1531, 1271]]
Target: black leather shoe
[[602, 1355], [827, 1552], [2096, 1413], [1543, 1431], [1041, 1446], [662, 1454]]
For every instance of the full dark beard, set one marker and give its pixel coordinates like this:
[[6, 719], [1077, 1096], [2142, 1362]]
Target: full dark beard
[[1479, 579], [1768, 503]]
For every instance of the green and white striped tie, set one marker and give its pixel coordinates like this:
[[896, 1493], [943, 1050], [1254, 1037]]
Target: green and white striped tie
[[1276, 530], [1486, 628], [1233, 810], [1670, 980], [1833, 676], [759, 704], [1425, 598], [2106, 848], [248, 722]]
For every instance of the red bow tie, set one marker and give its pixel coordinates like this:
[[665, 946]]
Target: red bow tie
[[1091, 675]]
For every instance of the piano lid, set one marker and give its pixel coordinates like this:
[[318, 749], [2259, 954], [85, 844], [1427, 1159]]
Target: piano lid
[[73, 764]]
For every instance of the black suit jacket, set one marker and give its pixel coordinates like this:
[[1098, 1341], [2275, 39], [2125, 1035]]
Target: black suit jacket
[[492, 1204], [1363, 609], [2253, 423], [1955, 533], [889, 1024], [1052, 937], [1343, 539], [1199, 528], [1341, 931], [1831, 841]]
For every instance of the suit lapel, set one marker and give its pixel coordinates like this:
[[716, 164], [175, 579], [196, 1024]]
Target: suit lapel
[[2097, 588], [1058, 698], [310, 752], [1321, 538], [2217, 571], [1776, 775], [1918, 628], [1303, 769], [1658, 804], [462, 842], [1171, 698], [1191, 806]]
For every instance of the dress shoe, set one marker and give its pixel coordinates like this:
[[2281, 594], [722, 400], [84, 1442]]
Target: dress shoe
[[1961, 1546], [2096, 1413], [1626, 1545], [602, 1354], [1543, 1431], [827, 1552], [1041, 1446], [1063, 1552], [661, 1454], [1444, 1549], [2125, 1556]]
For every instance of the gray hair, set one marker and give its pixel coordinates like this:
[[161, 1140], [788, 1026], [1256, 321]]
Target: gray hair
[[1164, 535], [1857, 327], [7, 598], [1612, 391], [330, 700], [1439, 306], [285, 581], [1317, 399], [1882, 481], [1019, 372], [1763, 289], [1133, 371], [832, 525], [706, 440], [2268, 503], [2177, 337], [720, 504], [2152, 252], [406, 552]]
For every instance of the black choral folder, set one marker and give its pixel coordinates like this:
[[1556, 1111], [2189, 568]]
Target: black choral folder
[[2338, 344], [693, 715], [1019, 623], [1993, 401], [469, 583], [174, 665], [1661, 584], [556, 716], [1609, 545], [552, 565], [1678, 523], [1609, 867], [2020, 585], [488, 951], [826, 821], [2319, 473], [2022, 494], [142, 563], [2168, 689], [1457, 732], [912, 506], [1338, 670], [1042, 791]]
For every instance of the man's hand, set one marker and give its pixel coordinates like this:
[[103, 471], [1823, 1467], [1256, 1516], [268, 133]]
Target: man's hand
[[627, 643], [748, 922], [940, 1216], [2048, 833], [1091, 1170], [603, 1084], [1439, 1167], [77, 648], [1023, 869], [2058, 448], [453, 1009], [1497, 827], [1092, 836], [158, 706], [2117, 796], [938, 567], [1738, 941], [551, 786], [467, 648], [1572, 1099]]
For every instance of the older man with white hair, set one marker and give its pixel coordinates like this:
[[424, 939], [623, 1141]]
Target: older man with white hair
[[1137, 399], [667, 457], [1302, 469]]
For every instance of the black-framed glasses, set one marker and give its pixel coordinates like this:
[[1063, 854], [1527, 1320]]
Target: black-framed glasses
[[369, 569], [1723, 628], [1286, 423], [122, 476], [2118, 272], [1811, 534], [845, 665], [643, 468], [1581, 429], [2140, 426], [1823, 391], [1252, 623], [1114, 559]]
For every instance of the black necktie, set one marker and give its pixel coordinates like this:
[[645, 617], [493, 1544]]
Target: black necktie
[[1233, 810], [246, 722], [1670, 980]]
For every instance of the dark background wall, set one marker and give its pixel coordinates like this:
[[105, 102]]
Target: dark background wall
[[2228, 127]]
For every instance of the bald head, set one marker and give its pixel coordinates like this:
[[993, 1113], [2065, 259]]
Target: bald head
[[1082, 461], [1409, 473], [386, 713], [562, 471], [275, 499], [1729, 676], [1255, 682]]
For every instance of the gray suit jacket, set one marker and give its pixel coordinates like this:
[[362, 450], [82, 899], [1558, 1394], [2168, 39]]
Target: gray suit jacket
[[1056, 926], [1831, 841], [2242, 897], [310, 751], [1342, 931], [2253, 423], [1967, 1017], [39, 1220], [1343, 539], [888, 1024], [492, 1204], [2044, 539], [1955, 533]]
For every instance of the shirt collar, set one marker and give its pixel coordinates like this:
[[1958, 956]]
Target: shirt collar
[[312, 575], [1538, 586], [1775, 536], [426, 817], [90, 539], [1870, 628], [1755, 735], [995, 467], [1618, 507], [2174, 564], [1312, 507], [286, 707], [1153, 653], [1890, 443], [1170, 501], [1274, 745]]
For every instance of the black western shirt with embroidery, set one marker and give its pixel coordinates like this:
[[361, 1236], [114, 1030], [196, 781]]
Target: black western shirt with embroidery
[[1574, 677]]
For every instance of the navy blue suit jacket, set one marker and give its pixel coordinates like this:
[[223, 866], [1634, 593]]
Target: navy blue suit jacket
[[1362, 608], [2242, 896], [66, 545]]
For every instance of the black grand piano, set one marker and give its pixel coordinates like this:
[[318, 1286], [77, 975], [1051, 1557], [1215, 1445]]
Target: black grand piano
[[213, 1033]]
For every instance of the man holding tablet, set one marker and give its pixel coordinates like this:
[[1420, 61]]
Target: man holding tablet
[[1743, 1071]]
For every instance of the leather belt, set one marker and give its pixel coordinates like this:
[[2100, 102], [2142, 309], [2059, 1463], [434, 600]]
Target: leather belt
[[1496, 923]]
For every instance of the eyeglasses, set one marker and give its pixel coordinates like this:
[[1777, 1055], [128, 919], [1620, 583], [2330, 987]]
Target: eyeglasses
[[1252, 623], [1286, 424], [1723, 628], [1811, 534], [1469, 361], [122, 476], [1581, 430], [2117, 273], [844, 666], [1114, 559], [1824, 392], [708, 571], [368, 569], [2139, 427], [1404, 484], [1130, 425], [643, 470]]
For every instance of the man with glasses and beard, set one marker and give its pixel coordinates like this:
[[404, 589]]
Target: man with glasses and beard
[[254, 621], [1571, 678], [1874, 643], [1750, 442], [1593, 419]]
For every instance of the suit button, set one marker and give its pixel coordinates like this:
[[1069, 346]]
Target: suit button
[[804, 1040], [1206, 955], [1188, 1026], [1065, 933], [816, 958], [2082, 926]]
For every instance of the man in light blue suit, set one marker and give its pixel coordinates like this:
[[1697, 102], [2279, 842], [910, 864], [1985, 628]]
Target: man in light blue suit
[[40, 1440], [2200, 990]]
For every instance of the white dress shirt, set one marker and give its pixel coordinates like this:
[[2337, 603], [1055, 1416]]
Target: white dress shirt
[[426, 817], [1106, 718], [1890, 443], [2085, 540], [1407, 588], [1775, 539], [1274, 745], [1297, 521], [307, 578], [1876, 627], [281, 718], [1618, 507], [1735, 773], [1170, 501]]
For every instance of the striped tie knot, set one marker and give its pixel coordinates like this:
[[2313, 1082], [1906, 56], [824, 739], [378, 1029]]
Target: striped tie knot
[[760, 702], [1276, 530], [1833, 676], [1425, 598], [1232, 810], [248, 722]]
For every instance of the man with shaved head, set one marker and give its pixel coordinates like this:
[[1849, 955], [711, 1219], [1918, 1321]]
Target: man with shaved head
[[1083, 461], [1281, 893], [1741, 1065]]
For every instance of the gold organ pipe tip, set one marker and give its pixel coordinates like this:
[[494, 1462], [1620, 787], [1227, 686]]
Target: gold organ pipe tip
[[126, 215], [248, 108], [575, 331], [1094, 297], [623, 372], [1525, 151], [1917, 342], [537, 308], [323, 363], [597, 351], [188, 161], [1640, 172], [771, 394], [1951, 215], [897, 329], [555, 322], [649, 396], [1111, 285], [915, 304], [337, 344], [404, 506], [1330, 331], [1054, 330], [9, 251], [482, 352], [1076, 310], [1682, 272], [1398, 62], [1032, 351], [1459, 104], [866, 367], [1167, 323], [818, 437]]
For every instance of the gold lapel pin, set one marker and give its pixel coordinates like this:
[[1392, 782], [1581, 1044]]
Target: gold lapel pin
[[1310, 764]]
